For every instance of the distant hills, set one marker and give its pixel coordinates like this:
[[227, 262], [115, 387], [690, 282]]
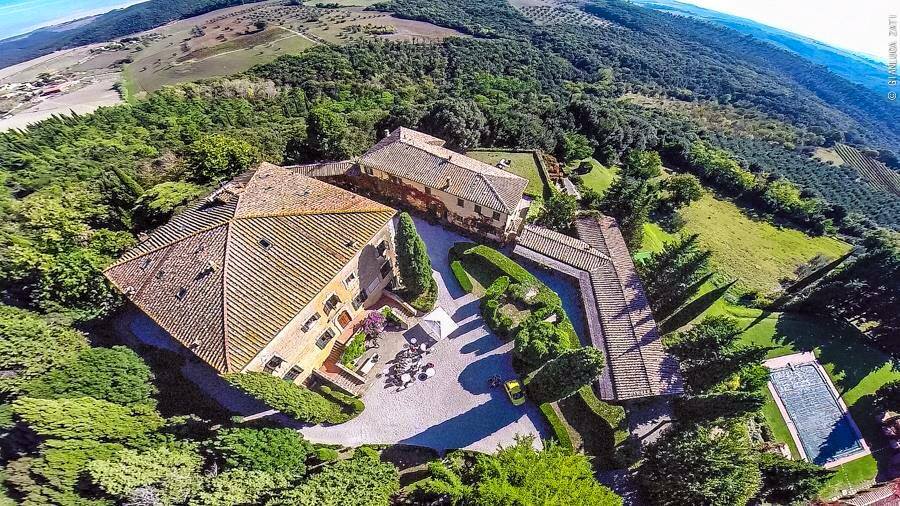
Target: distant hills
[[112, 25], [853, 67]]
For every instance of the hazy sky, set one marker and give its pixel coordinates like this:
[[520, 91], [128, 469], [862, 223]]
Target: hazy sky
[[858, 25]]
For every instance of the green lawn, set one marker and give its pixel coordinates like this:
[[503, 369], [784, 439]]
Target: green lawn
[[521, 164], [599, 178]]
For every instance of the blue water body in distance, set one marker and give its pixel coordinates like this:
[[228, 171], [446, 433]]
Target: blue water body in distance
[[22, 16]]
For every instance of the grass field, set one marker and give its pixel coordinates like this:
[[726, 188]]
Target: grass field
[[751, 250], [521, 164]]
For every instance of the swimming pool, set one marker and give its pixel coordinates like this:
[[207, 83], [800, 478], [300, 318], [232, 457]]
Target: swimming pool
[[818, 419]]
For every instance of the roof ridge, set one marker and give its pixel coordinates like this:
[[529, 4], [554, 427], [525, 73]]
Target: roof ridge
[[494, 190], [382, 209], [226, 342], [167, 244]]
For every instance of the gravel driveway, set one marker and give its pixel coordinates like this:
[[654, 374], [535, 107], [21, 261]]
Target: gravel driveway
[[456, 408]]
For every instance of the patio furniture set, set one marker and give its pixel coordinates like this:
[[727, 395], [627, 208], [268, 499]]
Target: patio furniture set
[[410, 366]]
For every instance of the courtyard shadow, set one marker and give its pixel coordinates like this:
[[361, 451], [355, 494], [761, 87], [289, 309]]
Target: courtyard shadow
[[470, 427], [474, 377]]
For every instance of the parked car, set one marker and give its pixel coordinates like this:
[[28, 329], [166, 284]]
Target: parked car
[[515, 391]]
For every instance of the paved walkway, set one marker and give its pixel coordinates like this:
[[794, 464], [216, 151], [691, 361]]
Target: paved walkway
[[456, 408]]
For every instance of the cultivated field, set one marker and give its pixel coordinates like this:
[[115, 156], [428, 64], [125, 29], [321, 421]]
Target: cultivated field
[[878, 174], [521, 164], [232, 40], [214, 44]]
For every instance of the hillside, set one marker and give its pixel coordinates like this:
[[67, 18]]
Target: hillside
[[113, 24], [851, 66]]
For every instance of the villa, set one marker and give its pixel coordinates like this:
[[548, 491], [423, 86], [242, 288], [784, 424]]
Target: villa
[[264, 273], [415, 170]]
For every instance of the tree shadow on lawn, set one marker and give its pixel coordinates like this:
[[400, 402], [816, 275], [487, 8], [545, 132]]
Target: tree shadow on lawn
[[840, 345]]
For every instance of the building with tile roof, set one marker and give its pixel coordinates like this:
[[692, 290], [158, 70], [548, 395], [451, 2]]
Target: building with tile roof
[[618, 316], [419, 171], [264, 272]]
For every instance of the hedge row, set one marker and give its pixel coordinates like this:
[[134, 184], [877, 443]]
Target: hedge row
[[291, 399], [353, 406], [560, 432], [460, 273]]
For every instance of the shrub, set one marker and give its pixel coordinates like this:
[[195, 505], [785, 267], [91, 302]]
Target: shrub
[[86, 418], [566, 374], [355, 349], [292, 400], [461, 276], [718, 405], [787, 481], [114, 374], [888, 396], [352, 406], [266, 449], [390, 316], [559, 428], [325, 454]]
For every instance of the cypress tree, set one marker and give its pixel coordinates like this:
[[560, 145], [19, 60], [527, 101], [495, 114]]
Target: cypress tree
[[412, 257], [565, 374]]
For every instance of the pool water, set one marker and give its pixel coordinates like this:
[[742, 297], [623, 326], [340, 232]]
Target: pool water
[[824, 428]]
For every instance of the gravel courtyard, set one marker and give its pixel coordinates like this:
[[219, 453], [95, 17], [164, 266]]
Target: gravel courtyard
[[456, 408]]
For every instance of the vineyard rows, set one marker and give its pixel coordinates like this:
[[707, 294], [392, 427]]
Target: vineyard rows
[[880, 175]]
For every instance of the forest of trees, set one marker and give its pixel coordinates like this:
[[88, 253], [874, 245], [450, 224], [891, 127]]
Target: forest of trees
[[75, 192]]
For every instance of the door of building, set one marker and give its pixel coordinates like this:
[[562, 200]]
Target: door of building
[[344, 319]]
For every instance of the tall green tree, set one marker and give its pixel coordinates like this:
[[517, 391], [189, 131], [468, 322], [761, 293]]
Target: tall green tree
[[87, 418], [518, 474], [170, 473], [642, 164], [864, 291], [710, 352], [216, 157], [362, 480], [412, 257], [114, 374], [787, 481], [629, 200], [566, 374], [31, 346], [713, 406], [701, 464], [576, 146], [266, 449], [559, 212], [670, 275], [681, 190], [157, 204], [457, 121]]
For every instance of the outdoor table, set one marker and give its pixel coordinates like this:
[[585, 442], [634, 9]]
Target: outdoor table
[[413, 340], [429, 372], [406, 378], [422, 347]]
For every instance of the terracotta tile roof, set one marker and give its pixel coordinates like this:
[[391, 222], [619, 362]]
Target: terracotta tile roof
[[323, 169], [422, 158], [637, 362], [236, 270]]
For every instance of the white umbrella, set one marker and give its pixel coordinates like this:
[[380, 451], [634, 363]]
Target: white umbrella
[[438, 324]]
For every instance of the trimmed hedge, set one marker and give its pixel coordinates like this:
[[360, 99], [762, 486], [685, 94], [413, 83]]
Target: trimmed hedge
[[560, 432], [460, 273], [355, 349], [353, 406], [293, 400]]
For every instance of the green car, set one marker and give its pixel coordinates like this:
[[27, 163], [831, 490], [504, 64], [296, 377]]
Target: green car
[[515, 392]]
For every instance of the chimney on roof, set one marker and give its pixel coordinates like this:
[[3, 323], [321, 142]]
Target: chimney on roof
[[129, 291], [447, 182], [387, 132]]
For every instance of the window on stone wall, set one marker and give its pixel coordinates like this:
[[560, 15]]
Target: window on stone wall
[[386, 270], [460, 202], [332, 303], [273, 364], [293, 373], [360, 298], [382, 248], [477, 209], [427, 191], [324, 339], [310, 322], [496, 215]]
